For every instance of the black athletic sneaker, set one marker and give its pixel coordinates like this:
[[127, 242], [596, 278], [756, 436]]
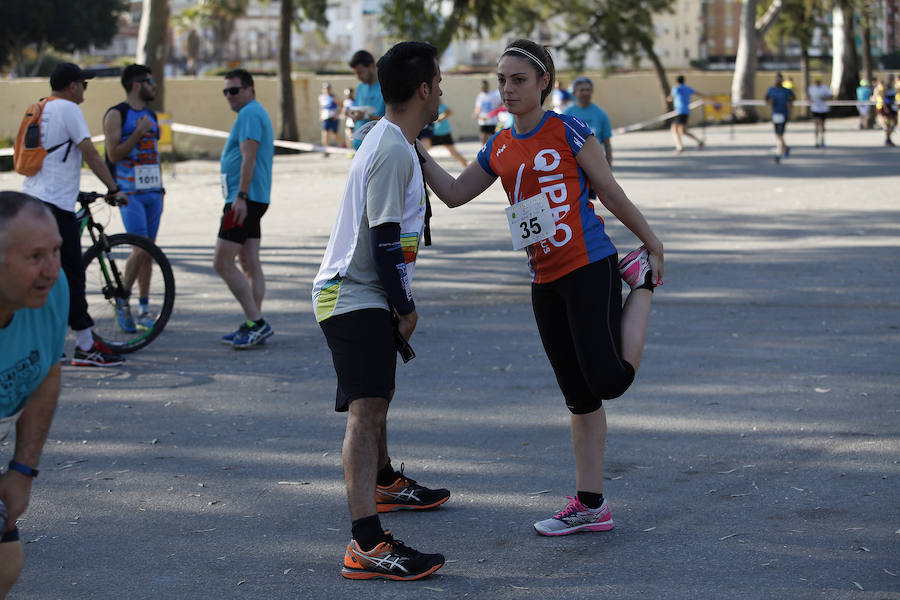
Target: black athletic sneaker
[[406, 494], [391, 559], [97, 355]]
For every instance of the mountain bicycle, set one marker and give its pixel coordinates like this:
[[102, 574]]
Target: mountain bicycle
[[114, 265]]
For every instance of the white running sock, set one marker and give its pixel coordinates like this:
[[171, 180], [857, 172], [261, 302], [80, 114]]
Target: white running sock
[[84, 339]]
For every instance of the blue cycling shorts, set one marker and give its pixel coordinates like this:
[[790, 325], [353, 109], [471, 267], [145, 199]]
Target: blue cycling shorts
[[142, 214]]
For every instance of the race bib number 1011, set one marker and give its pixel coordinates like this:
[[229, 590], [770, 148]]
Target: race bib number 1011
[[147, 177]]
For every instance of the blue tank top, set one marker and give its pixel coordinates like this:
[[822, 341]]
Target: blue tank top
[[139, 171]]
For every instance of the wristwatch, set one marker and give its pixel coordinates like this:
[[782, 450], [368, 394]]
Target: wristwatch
[[243, 196], [23, 469]]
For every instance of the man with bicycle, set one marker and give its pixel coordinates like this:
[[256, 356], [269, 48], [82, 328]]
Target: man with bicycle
[[34, 309], [57, 184], [132, 155], [246, 175]]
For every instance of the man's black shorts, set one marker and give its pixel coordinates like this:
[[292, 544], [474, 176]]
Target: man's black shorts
[[232, 232], [489, 129], [442, 140], [819, 115], [682, 119], [364, 355]]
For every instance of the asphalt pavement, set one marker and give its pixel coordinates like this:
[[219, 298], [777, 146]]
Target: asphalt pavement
[[757, 455]]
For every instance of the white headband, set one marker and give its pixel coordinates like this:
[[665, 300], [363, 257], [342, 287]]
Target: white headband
[[528, 54]]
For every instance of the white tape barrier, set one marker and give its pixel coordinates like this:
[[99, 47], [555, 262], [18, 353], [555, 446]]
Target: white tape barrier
[[805, 102], [194, 130], [657, 119], [303, 146]]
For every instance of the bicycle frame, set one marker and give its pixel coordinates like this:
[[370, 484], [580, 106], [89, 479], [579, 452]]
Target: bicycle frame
[[110, 271]]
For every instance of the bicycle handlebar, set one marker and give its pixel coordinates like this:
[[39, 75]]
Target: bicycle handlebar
[[88, 197]]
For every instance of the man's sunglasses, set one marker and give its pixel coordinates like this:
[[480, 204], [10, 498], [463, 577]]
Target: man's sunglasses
[[84, 84], [233, 91], [148, 80]]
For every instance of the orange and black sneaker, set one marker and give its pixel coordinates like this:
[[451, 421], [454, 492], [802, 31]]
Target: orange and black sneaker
[[391, 559], [406, 494]]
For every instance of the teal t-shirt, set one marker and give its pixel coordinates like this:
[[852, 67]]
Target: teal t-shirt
[[442, 127], [369, 95], [252, 123], [595, 118], [30, 344]]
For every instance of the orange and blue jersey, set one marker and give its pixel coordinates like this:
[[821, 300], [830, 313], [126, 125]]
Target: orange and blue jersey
[[542, 161]]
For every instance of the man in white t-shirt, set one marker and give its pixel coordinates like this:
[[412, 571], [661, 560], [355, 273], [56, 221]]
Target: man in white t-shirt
[[487, 104], [819, 94], [57, 184], [364, 305]]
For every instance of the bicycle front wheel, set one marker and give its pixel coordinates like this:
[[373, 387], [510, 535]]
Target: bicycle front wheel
[[116, 278]]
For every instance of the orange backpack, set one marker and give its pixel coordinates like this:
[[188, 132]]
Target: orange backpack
[[28, 153]]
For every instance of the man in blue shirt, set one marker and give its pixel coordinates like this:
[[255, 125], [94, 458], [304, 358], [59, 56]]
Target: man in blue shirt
[[246, 174], [781, 100], [594, 116], [369, 103], [681, 98], [34, 311]]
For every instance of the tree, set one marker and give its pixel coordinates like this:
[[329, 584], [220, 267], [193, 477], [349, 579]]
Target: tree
[[428, 20], [151, 48], [844, 66], [293, 12], [867, 10], [614, 27], [63, 25], [218, 16], [798, 21], [752, 30]]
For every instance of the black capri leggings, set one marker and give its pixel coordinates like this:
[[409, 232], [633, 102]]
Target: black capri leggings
[[579, 317]]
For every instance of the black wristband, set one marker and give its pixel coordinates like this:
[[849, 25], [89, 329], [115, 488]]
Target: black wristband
[[243, 196], [113, 192], [23, 469]]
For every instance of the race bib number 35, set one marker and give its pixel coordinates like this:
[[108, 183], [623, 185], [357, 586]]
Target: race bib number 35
[[530, 221], [147, 177]]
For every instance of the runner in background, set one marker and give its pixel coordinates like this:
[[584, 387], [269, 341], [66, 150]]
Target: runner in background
[[818, 94], [781, 100], [562, 98], [345, 115], [594, 116], [328, 114], [486, 104], [369, 103], [439, 134], [863, 95], [681, 99]]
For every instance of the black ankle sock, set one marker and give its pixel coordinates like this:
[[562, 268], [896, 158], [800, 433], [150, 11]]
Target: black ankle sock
[[386, 474], [367, 532], [648, 282], [590, 499], [260, 323]]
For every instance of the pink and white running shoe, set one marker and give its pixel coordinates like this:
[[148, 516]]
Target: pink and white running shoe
[[576, 517], [635, 268]]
